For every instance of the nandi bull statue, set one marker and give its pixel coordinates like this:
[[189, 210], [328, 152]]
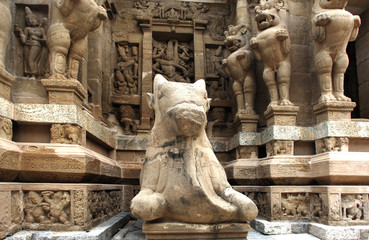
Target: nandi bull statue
[[181, 178]]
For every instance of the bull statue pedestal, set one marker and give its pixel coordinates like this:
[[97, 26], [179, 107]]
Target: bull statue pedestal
[[182, 182]]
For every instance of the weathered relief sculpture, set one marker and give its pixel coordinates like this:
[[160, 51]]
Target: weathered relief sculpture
[[181, 179], [34, 40], [240, 66], [71, 21], [127, 71], [128, 119], [5, 29], [272, 47], [333, 27]]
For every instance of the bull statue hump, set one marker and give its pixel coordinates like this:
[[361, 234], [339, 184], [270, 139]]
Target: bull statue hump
[[181, 178]]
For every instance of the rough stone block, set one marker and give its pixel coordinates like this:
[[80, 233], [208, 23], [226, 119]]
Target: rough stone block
[[271, 228], [325, 232]]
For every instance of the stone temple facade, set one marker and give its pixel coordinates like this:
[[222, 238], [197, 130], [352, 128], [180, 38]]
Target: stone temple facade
[[288, 120]]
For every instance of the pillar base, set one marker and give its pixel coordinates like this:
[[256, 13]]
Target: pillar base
[[281, 115], [69, 92], [246, 122], [333, 111]]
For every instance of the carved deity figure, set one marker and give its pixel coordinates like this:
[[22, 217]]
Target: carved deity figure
[[33, 207], [71, 21], [170, 63], [240, 66], [181, 178], [34, 41], [56, 205], [127, 70], [272, 47], [333, 27], [5, 29]]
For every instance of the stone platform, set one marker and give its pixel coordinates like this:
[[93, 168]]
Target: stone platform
[[185, 231]]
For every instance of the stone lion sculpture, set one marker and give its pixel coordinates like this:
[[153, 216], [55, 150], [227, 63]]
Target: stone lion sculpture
[[240, 66], [333, 27], [181, 178], [5, 28], [272, 47], [71, 21]]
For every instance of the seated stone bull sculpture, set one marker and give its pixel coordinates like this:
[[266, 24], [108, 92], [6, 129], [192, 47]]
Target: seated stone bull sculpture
[[181, 178]]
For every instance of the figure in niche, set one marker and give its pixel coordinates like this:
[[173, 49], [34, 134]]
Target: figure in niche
[[240, 66], [272, 47], [333, 27], [128, 119], [216, 62], [127, 71], [158, 50], [34, 40], [352, 207], [33, 207], [168, 66]]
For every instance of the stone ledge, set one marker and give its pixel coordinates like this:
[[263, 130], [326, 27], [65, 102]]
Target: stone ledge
[[55, 163]]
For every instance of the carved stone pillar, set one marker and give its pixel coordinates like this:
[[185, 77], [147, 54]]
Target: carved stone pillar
[[333, 111], [281, 115], [67, 92], [6, 82], [146, 112], [199, 48]]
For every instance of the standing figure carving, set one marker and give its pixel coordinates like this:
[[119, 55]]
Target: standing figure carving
[[181, 178], [34, 40], [272, 47], [5, 29], [333, 27], [71, 21], [240, 67]]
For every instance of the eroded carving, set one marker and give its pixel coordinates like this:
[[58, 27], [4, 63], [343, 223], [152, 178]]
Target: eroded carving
[[171, 10], [240, 66], [272, 47], [104, 203], [279, 147], [295, 204], [6, 128], [71, 21], [128, 119], [352, 207], [179, 156], [333, 27], [35, 52], [332, 144], [317, 205], [66, 133]]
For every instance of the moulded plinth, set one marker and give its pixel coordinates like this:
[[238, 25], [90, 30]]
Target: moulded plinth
[[281, 115], [333, 111], [186, 231]]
